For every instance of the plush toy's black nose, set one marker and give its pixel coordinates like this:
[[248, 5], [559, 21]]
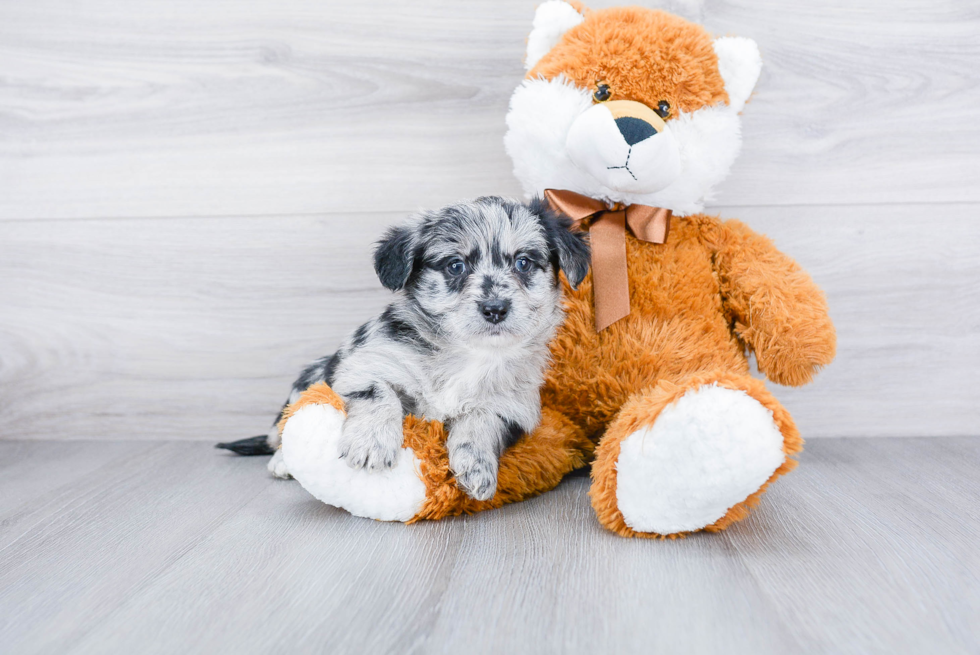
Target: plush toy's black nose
[[494, 310], [634, 130]]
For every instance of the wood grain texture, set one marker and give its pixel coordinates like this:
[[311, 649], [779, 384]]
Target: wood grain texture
[[194, 328], [871, 534], [35, 475], [189, 191], [868, 547], [903, 285], [190, 108], [113, 530], [175, 328]]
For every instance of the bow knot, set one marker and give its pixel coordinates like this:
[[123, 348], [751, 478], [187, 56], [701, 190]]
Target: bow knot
[[607, 230]]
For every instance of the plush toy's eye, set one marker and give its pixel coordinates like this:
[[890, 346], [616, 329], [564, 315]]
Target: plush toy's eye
[[602, 92], [523, 264], [663, 109], [456, 267]]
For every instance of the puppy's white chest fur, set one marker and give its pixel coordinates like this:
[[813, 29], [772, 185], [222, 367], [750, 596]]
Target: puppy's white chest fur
[[489, 377]]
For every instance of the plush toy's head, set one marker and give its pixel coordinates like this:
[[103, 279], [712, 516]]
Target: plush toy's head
[[628, 105]]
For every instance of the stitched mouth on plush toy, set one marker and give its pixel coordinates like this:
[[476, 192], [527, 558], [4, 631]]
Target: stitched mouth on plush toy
[[625, 146], [626, 164]]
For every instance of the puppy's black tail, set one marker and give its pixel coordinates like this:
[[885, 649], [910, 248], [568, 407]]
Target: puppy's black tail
[[252, 446]]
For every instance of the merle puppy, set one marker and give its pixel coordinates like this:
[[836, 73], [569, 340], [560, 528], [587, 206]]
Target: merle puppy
[[464, 342]]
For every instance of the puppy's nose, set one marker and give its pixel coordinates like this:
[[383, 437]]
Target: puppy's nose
[[634, 130], [495, 310]]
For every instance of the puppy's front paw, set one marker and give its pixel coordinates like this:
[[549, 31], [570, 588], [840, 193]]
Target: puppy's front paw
[[374, 447], [368, 452], [476, 473]]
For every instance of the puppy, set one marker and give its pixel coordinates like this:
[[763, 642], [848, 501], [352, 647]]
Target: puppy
[[465, 341]]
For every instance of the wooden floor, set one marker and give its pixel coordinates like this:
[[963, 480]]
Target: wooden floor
[[156, 546]]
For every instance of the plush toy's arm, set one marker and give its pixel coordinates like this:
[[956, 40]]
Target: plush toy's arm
[[421, 484], [776, 309]]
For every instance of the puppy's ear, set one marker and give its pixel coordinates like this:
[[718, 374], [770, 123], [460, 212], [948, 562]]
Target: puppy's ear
[[394, 256], [569, 248]]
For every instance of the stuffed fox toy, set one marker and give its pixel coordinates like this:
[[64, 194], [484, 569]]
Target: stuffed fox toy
[[626, 121]]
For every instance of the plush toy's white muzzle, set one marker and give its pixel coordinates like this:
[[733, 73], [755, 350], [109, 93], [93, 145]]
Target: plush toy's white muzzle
[[624, 150]]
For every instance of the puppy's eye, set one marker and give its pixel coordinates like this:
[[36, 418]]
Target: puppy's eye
[[602, 92], [523, 264], [663, 109], [456, 267]]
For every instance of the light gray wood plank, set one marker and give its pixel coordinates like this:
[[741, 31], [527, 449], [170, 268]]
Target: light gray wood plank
[[503, 582], [34, 476], [210, 108], [840, 82], [868, 547], [173, 328], [194, 329], [903, 286], [114, 531], [545, 577], [288, 573]]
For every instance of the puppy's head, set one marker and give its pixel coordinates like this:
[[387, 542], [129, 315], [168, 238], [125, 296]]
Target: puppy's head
[[484, 270]]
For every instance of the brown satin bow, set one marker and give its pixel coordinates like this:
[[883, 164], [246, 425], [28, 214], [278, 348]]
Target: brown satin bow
[[607, 230]]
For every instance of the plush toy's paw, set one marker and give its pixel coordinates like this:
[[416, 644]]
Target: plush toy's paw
[[277, 467], [704, 454], [311, 440], [476, 473]]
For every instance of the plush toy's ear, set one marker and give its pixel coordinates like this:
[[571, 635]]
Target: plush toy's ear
[[739, 63], [552, 19], [569, 248], [394, 256]]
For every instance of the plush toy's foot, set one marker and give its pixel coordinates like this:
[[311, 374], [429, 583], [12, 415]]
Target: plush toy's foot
[[277, 467], [421, 484], [310, 452], [688, 457]]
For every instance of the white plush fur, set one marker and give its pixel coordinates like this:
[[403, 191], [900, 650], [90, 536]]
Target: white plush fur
[[310, 453], [595, 144], [705, 453], [551, 20], [542, 112], [739, 63], [277, 467]]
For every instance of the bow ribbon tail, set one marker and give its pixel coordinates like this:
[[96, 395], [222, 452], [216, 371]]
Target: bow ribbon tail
[[610, 281], [650, 224]]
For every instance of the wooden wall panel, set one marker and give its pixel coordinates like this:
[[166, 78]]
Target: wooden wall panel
[[189, 191], [194, 328], [191, 108]]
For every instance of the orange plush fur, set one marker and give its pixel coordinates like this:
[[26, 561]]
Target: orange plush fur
[[647, 56]]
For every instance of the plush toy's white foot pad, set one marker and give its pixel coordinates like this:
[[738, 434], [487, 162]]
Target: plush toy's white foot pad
[[310, 453], [705, 453]]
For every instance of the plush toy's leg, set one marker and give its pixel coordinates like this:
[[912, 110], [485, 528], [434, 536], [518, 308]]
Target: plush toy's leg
[[692, 455], [311, 430], [420, 485], [277, 467], [532, 466]]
